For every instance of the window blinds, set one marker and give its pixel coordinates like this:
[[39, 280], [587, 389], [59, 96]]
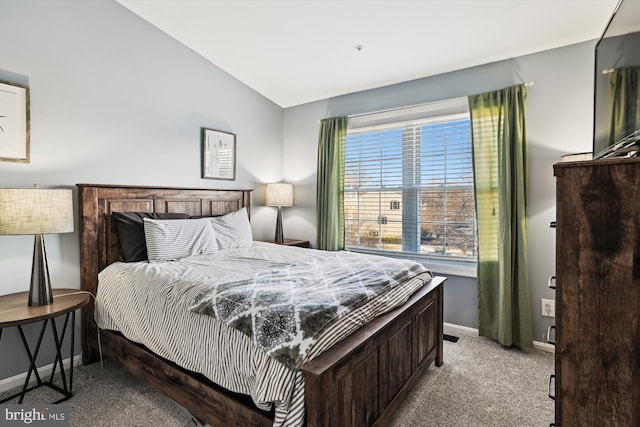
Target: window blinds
[[409, 183]]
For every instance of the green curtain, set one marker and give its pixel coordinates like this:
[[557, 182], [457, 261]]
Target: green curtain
[[499, 161], [624, 96], [330, 187]]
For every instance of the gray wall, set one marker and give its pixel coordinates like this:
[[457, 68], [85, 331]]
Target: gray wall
[[559, 121], [116, 101]]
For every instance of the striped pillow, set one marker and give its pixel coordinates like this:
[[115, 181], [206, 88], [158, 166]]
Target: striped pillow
[[178, 238], [233, 230], [130, 226]]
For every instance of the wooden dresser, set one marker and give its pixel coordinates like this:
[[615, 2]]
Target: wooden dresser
[[597, 378]]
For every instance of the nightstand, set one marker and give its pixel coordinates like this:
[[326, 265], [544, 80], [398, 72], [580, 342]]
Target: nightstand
[[293, 242], [15, 311]]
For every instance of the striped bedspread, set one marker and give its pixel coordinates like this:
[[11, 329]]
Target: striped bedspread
[[150, 304]]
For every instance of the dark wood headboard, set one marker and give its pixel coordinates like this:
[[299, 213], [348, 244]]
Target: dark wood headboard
[[99, 244]]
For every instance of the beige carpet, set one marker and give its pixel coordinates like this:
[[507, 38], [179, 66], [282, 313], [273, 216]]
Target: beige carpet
[[480, 384]]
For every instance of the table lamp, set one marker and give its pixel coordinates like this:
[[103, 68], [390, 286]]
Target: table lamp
[[279, 194], [36, 211]]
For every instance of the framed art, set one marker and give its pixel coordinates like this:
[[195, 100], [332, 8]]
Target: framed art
[[14, 123], [218, 154]]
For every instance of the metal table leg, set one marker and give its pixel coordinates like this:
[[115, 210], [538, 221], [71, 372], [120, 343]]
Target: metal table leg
[[67, 388]]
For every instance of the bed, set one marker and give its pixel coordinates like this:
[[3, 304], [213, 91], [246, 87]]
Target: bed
[[359, 381]]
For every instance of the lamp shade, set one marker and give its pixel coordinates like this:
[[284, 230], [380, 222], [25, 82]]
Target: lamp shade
[[35, 211], [279, 194]]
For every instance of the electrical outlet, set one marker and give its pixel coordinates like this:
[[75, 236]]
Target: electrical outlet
[[548, 307]]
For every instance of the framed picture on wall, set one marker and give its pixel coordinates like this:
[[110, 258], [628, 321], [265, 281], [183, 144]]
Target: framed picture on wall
[[218, 154], [14, 123]]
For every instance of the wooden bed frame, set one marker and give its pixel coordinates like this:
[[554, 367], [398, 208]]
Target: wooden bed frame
[[361, 381]]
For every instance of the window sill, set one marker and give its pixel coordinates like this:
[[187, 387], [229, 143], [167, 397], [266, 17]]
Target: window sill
[[440, 266]]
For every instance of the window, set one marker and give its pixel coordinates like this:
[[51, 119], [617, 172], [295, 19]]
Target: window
[[409, 182]]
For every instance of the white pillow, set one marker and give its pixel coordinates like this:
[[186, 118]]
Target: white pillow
[[233, 230], [170, 240]]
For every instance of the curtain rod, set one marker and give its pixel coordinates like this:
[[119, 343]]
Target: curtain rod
[[527, 84], [404, 107]]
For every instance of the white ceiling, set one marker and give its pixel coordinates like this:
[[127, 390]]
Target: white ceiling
[[298, 51]]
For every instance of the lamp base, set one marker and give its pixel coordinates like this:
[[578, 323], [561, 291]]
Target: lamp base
[[279, 235], [40, 291]]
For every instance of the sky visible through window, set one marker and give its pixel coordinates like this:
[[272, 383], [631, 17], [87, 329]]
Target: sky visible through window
[[374, 160]]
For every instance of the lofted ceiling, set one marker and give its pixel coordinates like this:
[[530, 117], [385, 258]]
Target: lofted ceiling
[[298, 51]]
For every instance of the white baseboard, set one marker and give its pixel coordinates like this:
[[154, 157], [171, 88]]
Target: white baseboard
[[542, 346], [461, 328], [43, 371]]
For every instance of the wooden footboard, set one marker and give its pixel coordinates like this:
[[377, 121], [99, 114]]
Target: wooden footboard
[[361, 381]]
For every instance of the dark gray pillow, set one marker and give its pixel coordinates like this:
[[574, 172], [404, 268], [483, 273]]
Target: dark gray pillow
[[130, 226]]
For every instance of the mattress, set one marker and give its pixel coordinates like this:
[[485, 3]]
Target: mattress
[[152, 304]]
